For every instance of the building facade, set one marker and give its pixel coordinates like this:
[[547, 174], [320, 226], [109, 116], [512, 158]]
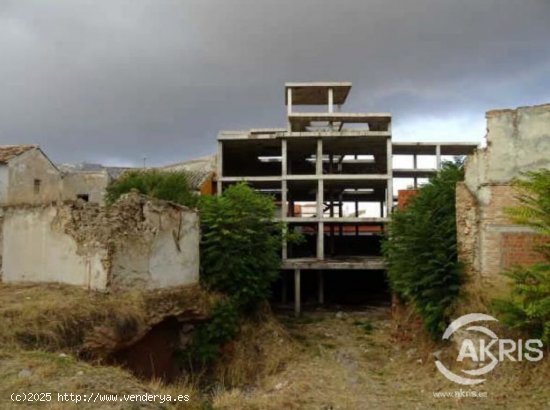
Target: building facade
[[331, 173]]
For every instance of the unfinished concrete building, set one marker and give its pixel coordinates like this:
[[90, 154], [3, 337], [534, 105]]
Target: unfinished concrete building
[[332, 174]]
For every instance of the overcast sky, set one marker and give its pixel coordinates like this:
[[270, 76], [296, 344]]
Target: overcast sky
[[111, 81]]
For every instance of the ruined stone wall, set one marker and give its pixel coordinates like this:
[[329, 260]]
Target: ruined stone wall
[[488, 242], [138, 242], [91, 183], [18, 180]]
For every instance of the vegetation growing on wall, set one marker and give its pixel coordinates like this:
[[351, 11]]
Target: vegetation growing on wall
[[421, 250], [168, 185], [240, 248], [528, 307]]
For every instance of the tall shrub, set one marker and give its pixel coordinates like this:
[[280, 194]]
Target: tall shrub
[[421, 252], [528, 307], [240, 257], [240, 245], [168, 185]]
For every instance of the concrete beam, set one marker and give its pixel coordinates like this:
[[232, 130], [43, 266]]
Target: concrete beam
[[315, 93], [428, 148], [344, 219], [366, 263]]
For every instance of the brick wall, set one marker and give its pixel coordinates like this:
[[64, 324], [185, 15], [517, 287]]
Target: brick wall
[[488, 242], [404, 196], [467, 225], [520, 249]]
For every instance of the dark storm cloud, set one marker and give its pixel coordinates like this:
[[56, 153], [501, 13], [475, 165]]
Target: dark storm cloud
[[114, 80]]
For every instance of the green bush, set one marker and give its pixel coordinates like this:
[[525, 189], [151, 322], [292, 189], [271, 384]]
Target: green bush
[[240, 244], [421, 253], [220, 329], [168, 185], [528, 307], [240, 257]]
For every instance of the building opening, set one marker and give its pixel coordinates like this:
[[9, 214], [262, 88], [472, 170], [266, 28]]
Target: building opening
[[332, 289]]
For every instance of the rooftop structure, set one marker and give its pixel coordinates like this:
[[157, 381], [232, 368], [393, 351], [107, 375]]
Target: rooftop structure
[[332, 175]]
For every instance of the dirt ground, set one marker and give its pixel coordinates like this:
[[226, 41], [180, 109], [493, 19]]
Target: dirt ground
[[358, 360], [326, 359]]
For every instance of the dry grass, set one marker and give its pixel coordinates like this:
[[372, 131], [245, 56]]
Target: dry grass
[[58, 317], [357, 362], [44, 328], [262, 347], [52, 372]]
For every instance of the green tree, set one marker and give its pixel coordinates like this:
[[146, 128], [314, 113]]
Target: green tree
[[528, 307], [168, 185], [421, 252], [240, 245], [240, 257]]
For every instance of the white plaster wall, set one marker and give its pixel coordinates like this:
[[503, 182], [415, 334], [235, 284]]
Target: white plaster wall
[[35, 251], [168, 255], [172, 265], [161, 250]]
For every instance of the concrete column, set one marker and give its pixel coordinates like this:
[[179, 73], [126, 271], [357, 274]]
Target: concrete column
[[289, 101], [438, 157], [284, 196], [415, 167], [219, 168], [321, 282], [284, 214], [319, 158], [320, 240], [357, 216], [341, 213], [389, 197], [320, 199], [284, 150], [297, 292], [289, 105], [330, 100]]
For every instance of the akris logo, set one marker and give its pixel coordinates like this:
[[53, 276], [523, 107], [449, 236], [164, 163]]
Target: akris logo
[[494, 350]]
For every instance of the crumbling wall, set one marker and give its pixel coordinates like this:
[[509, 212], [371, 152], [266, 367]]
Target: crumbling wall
[[90, 183], [517, 141], [488, 242], [30, 178], [36, 249], [137, 242]]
